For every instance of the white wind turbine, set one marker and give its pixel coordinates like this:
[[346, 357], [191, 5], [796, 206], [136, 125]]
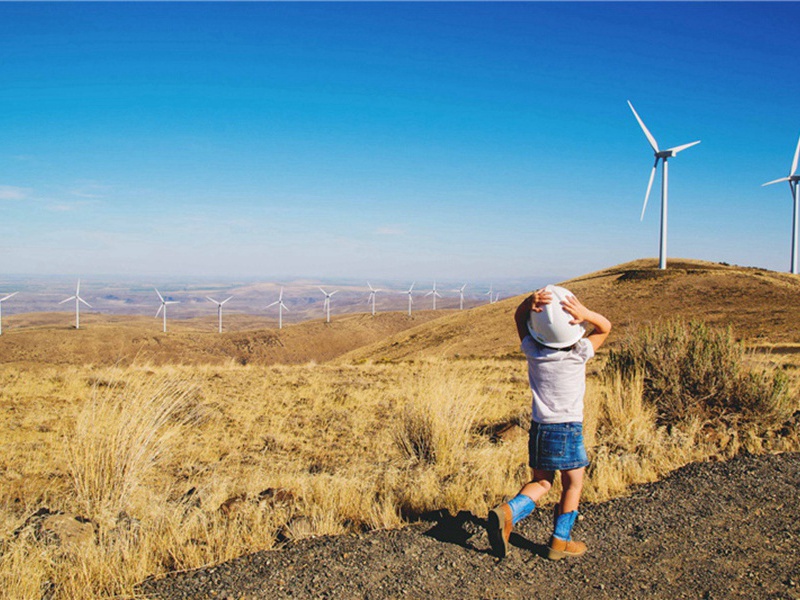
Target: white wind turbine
[[434, 293], [496, 297], [410, 293], [792, 178], [163, 307], [372, 293], [219, 309], [461, 294], [663, 156], [490, 293], [281, 308], [327, 305], [78, 300], [1, 309]]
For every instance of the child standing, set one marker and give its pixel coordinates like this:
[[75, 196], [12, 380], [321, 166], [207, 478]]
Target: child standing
[[552, 339]]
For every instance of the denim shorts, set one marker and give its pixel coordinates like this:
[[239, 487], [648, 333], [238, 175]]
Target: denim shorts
[[556, 446]]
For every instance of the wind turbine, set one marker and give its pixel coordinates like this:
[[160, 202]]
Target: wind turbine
[[434, 293], [410, 298], [281, 308], [1, 309], [219, 309], [793, 179], [461, 294], [78, 300], [327, 305], [663, 156], [372, 293], [496, 297], [490, 293], [164, 307]]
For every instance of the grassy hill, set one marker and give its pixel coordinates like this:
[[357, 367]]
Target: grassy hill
[[763, 307], [109, 339]]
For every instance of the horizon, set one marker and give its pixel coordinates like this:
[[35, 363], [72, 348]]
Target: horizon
[[390, 142]]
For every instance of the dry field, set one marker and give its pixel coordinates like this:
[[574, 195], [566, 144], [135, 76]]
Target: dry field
[[175, 466]]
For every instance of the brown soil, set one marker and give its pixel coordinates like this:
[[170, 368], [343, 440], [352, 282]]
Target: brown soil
[[710, 530]]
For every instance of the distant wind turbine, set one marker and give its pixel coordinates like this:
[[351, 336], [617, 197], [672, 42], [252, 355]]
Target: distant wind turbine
[[461, 294], [163, 307], [327, 305], [410, 298], [496, 297], [78, 300], [372, 293], [663, 156], [490, 293], [433, 293], [792, 178], [219, 309], [1, 309], [281, 308]]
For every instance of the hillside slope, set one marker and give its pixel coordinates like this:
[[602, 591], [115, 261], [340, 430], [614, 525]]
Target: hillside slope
[[103, 339], [763, 307]]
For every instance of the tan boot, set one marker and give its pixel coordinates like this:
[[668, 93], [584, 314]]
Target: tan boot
[[499, 529], [558, 549]]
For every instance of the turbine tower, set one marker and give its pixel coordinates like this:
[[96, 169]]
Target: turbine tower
[[78, 300], [663, 156], [434, 293], [1, 309], [792, 178], [164, 307], [219, 309], [461, 294], [410, 298], [372, 293], [327, 305], [281, 308]]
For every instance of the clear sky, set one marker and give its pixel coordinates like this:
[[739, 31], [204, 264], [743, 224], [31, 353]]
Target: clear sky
[[391, 140]]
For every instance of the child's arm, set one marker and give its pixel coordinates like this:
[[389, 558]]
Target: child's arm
[[581, 314], [535, 302]]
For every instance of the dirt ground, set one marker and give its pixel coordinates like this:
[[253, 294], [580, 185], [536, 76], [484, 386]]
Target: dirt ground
[[709, 530]]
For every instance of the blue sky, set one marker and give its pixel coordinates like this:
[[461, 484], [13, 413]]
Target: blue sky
[[468, 141]]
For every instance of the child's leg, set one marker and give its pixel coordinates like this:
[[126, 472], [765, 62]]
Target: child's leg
[[503, 518], [561, 544]]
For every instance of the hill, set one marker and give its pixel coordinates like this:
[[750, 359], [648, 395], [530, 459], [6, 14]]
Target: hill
[[763, 307], [108, 339]]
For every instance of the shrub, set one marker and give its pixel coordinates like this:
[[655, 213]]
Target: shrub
[[692, 370]]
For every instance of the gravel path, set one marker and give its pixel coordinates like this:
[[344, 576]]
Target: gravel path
[[709, 530]]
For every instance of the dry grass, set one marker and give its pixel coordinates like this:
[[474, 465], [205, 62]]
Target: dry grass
[[178, 467]]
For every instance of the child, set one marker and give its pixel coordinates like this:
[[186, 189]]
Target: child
[[552, 340]]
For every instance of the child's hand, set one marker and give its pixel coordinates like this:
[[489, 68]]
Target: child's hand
[[577, 310], [540, 299]]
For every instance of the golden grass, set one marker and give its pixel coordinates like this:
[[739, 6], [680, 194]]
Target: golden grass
[[179, 467]]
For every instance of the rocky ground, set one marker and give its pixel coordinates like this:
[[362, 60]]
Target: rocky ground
[[710, 530]]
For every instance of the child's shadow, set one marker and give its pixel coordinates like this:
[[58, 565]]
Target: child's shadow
[[463, 527]]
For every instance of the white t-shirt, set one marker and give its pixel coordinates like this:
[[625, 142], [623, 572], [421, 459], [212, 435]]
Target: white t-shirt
[[558, 380]]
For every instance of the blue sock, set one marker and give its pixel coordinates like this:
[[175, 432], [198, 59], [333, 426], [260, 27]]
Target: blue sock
[[564, 525], [521, 506]]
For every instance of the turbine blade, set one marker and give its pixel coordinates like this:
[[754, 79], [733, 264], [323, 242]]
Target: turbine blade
[[210, 298], [332, 293], [158, 312], [412, 286], [647, 133], [85, 302], [160, 297], [9, 296], [677, 149], [172, 302], [649, 186], [775, 181], [78, 289], [428, 294], [796, 156], [67, 300], [226, 299], [286, 308], [323, 291], [273, 304]]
